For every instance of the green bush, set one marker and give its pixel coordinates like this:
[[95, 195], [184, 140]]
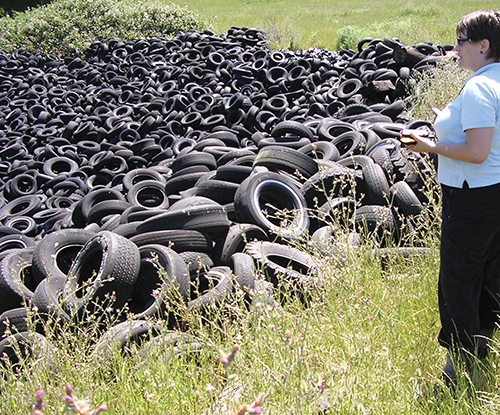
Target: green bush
[[348, 37], [65, 26]]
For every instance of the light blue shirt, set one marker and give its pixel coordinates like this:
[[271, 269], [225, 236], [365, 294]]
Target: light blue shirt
[[477, 106]]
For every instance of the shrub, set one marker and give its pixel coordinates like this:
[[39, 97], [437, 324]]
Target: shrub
[[71, 25], [348, 37]]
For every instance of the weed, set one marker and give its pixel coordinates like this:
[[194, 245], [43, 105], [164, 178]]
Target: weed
[[435, 89], [71, 405]]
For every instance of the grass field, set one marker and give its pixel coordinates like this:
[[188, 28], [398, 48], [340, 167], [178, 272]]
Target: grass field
[[297, 24]]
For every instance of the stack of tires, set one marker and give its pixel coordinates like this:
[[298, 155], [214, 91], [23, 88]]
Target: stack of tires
[[188, 164]]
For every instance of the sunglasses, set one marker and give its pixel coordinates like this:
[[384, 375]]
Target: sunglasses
[[461, 40]]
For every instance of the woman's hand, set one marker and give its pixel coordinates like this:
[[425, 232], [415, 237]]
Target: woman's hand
[[423, 144], [475, 150]]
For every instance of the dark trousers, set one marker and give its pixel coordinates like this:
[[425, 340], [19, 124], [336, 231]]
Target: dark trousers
[[469, 275]]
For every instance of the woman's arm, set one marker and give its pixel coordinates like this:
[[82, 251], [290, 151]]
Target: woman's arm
[[475, 150]]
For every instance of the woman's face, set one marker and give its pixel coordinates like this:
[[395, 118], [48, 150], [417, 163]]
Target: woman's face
[[471, 55]]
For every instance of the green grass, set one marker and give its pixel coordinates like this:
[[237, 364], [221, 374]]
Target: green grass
[[365, 344], [296, 24]]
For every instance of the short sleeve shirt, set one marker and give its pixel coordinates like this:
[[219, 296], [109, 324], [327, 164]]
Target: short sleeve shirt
[[477, 106]]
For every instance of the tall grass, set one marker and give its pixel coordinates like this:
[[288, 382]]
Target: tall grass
[[436, 89], [365, 343]]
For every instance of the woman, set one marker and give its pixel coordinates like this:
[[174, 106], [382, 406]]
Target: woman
[[468, 149]]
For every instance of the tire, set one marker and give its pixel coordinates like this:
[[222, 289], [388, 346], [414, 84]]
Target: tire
[[16, 280], [323, 240], [195, 158], [117, 338], [14, 321], [9, 243], [59, 165], [243, 268], [382, 157], [24, 224], [356, 162], [404, 199], [376, 222], [322, 150], [219, 191], [287, 159], [163, 277], [48, 301], [135, 176], [82, 208], [149, 194], [260, 199], [376, 185], [348, 88], [233, 173], [191, 201], [211, 219], [103, 209], [178, 240], [28, 346], [175, 185], [350, 143], [54, 254], [22, 206], [329, 129], [292, 127], [336, 210], [167, 346], [107, 264], [196, 262], [282, 263], [337, 181], [219, 287], [234, 241]]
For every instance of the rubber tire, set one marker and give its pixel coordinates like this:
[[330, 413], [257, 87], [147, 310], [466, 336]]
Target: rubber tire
[[16, 280], [108, 263], [162, 272], [54, 254], [237, 236], [278, 192], [220, 287], [282, 262], [211, 219], [287, 159]]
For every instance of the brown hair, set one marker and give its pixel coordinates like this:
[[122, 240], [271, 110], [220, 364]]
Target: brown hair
[[482, 24]]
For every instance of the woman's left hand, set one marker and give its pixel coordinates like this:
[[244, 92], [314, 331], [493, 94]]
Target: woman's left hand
[[423, 144]]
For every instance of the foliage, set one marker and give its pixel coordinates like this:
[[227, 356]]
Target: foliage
[[435, 89], [68, 25], [348, 37]]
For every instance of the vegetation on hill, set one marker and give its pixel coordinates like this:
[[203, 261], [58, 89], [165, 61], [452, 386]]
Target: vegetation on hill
[[65, 26]]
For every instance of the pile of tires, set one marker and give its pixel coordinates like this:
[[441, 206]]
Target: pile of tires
[[201, 156]]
